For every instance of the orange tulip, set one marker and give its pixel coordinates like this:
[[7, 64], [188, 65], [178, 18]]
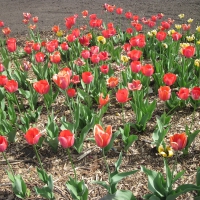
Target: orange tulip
[[164, 93], [62, 79], [112, 82], [103, 101], [178, 141], [102, 137]]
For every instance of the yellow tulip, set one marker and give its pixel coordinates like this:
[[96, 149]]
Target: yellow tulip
[[198, 29], [181, 16], [167, 152], [190, 20], [124, 58], [178, 26], [101, 39]]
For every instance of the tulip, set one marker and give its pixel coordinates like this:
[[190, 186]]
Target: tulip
[[128, 15], [164, 93], [94, 50], [11, 44], [136, 66], [183, 93], [95, 58], [28, 49], [147, 70], [11, 86], [36, 46], [169, 79], [84, 13], [112, 82], [27, 15], [188, 51], [84, 40], [64, 46], [35, 19], [87, 77], [165, 152], [71, 92], [41, 87], [135, 85], [176, 36], [103, 55], [103, 101], [75, 79], [1, 67], [1, 23], [66, 138], [161, 35], [70, 21], [39, 57], [3, 80], [70, 38], [178, 141], [186, 27], [122, 95], [6, 31], [138, 27], [32, 136], [134, 54], [104, 69], [3, 143], [195, 93], [85, 54], [62, 79], [102, 137], [119, 11], [55, 57], [76, 32], [129, 30], [165, 24]]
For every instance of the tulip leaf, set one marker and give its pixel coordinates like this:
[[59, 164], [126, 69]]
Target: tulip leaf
[[103, 184], [119, 195], [130, 140]]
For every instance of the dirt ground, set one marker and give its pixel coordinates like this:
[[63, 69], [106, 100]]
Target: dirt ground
[[92, 167]]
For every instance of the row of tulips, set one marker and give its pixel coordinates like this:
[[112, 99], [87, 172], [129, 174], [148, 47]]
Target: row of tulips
[[92, 68]]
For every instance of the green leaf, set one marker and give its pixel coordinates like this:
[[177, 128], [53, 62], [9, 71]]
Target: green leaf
[[118, 177], [19, 187], [178, 176], [42, 175], [45, 192], [130, 140], [120, 195], [103, 184], [10, 176], [181, 190]]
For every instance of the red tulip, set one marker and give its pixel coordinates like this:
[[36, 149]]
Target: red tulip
[[186, 27], [103, 55], [41, 87], [55, 57], [75, 79], [1, 23], [50, 47], [39, 57], [6, 31], [84, 40], [161, 35], [66, 138], [70, 21], [1, 67], [93, 16], [32, 136], [104, 69], [11, 44], [134, 54], [85, 13], [169, 79], [183, 93], [128, 15], [178, 141], [62, 79], [129, 30], [165, 24], [76, 32], [11, 86], [126, 47], [138, 27], [28, 49], [195, 93], [176, 36], [102, 137], [95, 58], [70, 38], [3, 143], [122, 95], [64, 46], [147, 70], [135, 85], [112, 82], [136, 66], [188, 51], [85, 54], [164, 93], [87, 77], [119, 11], [71, 92], [27, 16], [94, 50], [3, 80], [103, 101], [35, 19], [36, 46]]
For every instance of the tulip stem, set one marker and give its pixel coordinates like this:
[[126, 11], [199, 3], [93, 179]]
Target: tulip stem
[[104, 157], [38, 157], [14, 95], [70, 158], [123, 114], [4, 155], [175, 164], [193, 118]]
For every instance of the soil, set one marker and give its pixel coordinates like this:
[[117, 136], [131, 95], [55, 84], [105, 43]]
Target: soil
[[91, 166]]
